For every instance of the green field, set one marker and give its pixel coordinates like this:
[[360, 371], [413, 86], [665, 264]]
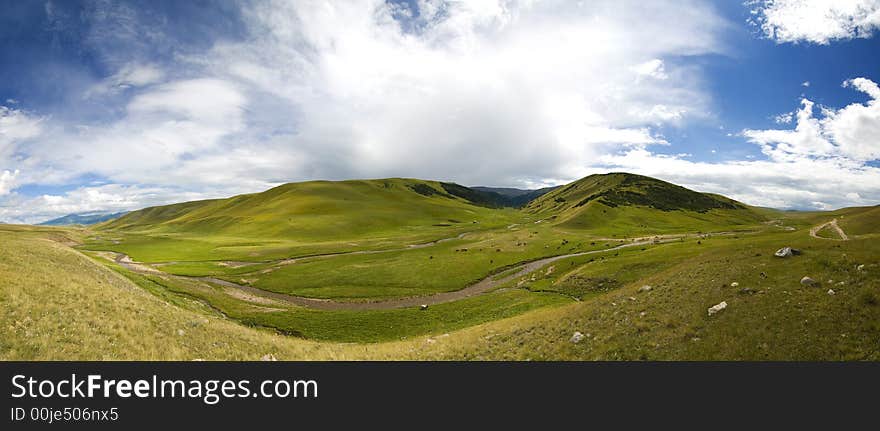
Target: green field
[[359, 246]]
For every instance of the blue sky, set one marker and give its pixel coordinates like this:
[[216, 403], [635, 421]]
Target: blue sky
[[108, 106]]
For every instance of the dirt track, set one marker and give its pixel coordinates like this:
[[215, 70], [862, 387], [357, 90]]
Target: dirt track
[[814, 231]]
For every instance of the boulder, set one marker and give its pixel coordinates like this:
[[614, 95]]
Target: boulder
[[717, 307], [831, 291], [784, 252], [423, 307], [809, 282], [577, 337], [646, 288], [734, 284]]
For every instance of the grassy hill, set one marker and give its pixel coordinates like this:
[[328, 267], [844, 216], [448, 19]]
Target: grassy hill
[[860, 221], [621, 204], [320, 210]]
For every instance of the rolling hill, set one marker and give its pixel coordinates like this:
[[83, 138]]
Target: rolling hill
[[322, 210], [607, 204], [619, 203]]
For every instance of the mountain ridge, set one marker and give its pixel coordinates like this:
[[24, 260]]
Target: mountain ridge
[[87, 218]]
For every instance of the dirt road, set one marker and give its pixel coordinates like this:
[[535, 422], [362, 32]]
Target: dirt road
[[814, 231]]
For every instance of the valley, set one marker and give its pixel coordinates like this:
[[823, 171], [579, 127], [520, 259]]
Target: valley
[[412, 269]]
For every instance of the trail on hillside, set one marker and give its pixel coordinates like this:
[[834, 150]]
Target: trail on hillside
[[814, 231], [484, 285]]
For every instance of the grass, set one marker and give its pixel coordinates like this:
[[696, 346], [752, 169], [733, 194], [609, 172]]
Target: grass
[[445, 267], [347, 326], [769, 317], [58, 302], [95, 313]]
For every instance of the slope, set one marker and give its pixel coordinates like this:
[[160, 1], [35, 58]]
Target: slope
[[628, 204], [321, 211]]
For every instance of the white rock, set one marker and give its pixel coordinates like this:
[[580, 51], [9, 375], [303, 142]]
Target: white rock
[[577, 337], [646, 288], [831, 291], [783, 252], [268, 357], [861, 267], [181, 332], [717, 307], [807, 281], [734, 284]]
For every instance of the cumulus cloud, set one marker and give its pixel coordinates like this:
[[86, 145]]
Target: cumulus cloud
[[816, 21], [7, 179], [551, 85], [851, 132]]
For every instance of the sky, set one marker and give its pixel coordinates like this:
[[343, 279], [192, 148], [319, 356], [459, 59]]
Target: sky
[[111, 106]]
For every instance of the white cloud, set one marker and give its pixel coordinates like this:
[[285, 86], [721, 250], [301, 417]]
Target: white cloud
[[548, 84], [805, 84], [816, 21], [783, 118], [653, 68], [15, 126], [101, 198], [852, 132], [7, 181], [162, 129], [806, 139], [129, 76]]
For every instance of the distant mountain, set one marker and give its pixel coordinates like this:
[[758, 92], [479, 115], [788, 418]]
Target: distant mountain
[[512, 197], [83, 219]]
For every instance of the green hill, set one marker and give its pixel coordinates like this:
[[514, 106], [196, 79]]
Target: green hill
[[321, 210], [860, 220], [621, 203]]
